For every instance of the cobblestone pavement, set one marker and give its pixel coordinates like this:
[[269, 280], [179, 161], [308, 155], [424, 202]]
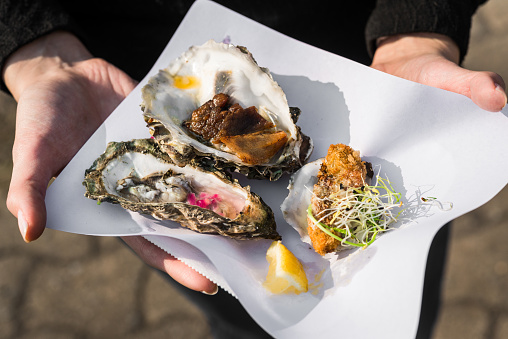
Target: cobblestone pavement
[[73, 286]]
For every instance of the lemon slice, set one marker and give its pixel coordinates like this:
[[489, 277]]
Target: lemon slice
[[285, 272]]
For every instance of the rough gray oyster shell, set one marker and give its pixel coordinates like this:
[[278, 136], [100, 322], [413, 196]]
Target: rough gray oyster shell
[[140, 177], [194, 78]]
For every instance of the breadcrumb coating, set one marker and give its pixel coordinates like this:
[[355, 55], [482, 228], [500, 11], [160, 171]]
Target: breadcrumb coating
[[341, 168]]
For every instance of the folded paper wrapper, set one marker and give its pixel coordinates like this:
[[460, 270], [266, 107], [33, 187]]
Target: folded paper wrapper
[[423, 139]]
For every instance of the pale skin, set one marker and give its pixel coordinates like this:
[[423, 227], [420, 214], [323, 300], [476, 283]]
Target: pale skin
[[64, 94]]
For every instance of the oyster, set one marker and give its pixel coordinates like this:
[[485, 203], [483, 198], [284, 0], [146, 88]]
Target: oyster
[[333, 204], [140, 177], [221, 86]]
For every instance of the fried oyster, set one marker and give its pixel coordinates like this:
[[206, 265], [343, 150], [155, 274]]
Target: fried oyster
[[342, 168]]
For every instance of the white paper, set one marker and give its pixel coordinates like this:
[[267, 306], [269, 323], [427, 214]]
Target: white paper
[[421, 137]]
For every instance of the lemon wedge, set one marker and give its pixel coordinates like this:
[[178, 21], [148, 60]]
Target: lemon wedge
[[285, 273]]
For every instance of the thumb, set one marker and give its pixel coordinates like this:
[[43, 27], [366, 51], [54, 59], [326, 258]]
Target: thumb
[[487, 90], [26, 196]]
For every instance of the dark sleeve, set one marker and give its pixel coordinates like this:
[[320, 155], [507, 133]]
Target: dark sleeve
[[22, 21], [449, 17]]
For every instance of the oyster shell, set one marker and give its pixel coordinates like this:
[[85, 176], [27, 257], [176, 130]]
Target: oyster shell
[[294, 207], [140, 177], [193, 80]]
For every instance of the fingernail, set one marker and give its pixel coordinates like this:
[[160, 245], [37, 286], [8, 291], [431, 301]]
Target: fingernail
[[22, 224], [501, 90], [214, 292]]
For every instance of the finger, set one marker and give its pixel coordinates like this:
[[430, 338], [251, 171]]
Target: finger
[[161, 260], [34, 164], [487, 90], [25, 200]]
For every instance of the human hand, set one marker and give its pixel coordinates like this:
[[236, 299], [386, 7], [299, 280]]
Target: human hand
[[63, 95], [432, 59]]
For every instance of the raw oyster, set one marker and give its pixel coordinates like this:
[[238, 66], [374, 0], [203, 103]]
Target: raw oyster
[[193, 80], [140, 177]]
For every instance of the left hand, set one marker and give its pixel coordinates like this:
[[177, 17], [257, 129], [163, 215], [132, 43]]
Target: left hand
[[432, 59], [63, 96]]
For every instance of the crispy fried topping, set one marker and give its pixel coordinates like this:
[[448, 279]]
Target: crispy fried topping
[[341, 168]]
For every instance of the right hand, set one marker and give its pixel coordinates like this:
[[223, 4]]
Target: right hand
[[64, 95], [432, 59]]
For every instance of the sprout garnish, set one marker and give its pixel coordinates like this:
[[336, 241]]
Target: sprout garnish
[[444, 206], [357, 215]]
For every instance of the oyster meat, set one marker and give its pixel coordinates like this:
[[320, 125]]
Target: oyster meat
[[215, 101], [142, 178], [334, 204]]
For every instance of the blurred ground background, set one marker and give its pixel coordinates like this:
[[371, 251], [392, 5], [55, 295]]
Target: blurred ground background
[[73, 286]]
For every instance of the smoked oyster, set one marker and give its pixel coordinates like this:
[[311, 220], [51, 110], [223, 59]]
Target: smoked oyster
[[140, 177], [194, 107]]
